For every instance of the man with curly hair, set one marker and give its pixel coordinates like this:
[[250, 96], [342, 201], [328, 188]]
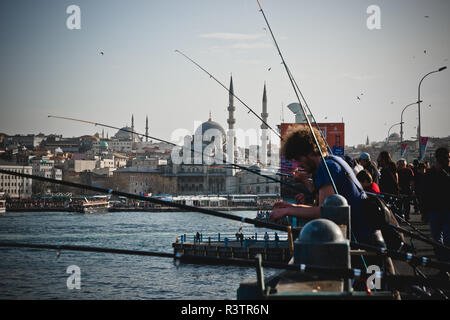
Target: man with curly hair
[[300, 146]]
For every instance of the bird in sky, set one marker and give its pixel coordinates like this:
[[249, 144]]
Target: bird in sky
[[357, 97], [269, 69], [102, 53], [427, 16], [425, 51]]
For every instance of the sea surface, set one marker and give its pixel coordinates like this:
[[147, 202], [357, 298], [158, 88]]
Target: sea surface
[[38, 274]]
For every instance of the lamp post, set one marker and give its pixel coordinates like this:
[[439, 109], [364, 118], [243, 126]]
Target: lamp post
[[401, 120], [418, 99], [390, 130]]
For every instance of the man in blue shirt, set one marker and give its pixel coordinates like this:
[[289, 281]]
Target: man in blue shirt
[[300, 146]]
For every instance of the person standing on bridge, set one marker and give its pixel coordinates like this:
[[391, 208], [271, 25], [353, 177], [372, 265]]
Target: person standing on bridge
[[436, 194], [406, 186], [370, 166], [388, 174]]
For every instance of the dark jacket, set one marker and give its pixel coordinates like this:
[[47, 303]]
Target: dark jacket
[[436, 191]]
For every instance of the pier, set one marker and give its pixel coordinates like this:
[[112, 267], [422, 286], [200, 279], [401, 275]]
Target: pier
[[230, 246]]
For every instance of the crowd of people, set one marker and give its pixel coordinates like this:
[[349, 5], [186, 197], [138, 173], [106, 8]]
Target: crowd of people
[[419, 185]]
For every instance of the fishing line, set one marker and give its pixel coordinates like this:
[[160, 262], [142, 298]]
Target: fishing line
[[255, 222], [347, 273], [298, 98], [211, 76]]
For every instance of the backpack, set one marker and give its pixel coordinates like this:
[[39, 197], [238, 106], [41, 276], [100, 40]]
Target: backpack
[[379, 216]]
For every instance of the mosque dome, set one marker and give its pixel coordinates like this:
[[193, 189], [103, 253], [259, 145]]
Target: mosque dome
[[123, 134], [104, 144], [210, 128], [394, 137]]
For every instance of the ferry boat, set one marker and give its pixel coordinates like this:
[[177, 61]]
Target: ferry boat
[[2, 203], [95, 204]]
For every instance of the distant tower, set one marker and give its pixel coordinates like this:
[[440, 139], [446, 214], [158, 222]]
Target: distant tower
[[231, 120], [132, 128], [367, 141], [146, 128], [103, 133], [264, 127], [264, 114]]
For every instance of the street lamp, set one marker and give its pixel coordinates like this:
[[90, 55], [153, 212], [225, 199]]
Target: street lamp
[[390, 130], [418, 99], [401, 120]]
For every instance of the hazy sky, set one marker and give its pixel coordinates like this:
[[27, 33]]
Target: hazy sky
[[47, 69]]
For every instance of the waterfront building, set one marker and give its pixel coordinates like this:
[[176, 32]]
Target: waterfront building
[[30, 141], [13, 186]]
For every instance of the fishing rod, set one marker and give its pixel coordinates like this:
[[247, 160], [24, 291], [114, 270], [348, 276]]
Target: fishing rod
[[294, 187], [298, 98], [411, 226], [229, 91], [310, 113], [419, 237], [421, 274], [255, 222], [387, 196], [398, 255], [331, 272]]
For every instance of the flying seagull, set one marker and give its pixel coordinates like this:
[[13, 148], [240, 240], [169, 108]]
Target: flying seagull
[[102, 53], [269, 69], [358, 98]]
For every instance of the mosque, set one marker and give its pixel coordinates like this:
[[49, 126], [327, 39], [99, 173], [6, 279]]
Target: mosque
[[196, 177]]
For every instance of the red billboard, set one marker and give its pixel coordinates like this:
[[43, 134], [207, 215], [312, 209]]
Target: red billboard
[[334, 134]]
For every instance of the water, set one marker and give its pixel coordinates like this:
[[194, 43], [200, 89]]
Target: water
[[38, 274]]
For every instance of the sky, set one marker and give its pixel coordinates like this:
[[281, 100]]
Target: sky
[[48, 69]]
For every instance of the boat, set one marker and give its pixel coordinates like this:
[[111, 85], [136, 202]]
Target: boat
[[2, 203], [91, 205]]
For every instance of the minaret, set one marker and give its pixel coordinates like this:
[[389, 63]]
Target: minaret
[[231, 121], [264, 113], [264, 127], [132, 128], [146, 128], [232, 153]]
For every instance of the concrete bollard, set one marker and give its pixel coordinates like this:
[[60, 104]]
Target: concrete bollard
[[321, 243], [336, 209]]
